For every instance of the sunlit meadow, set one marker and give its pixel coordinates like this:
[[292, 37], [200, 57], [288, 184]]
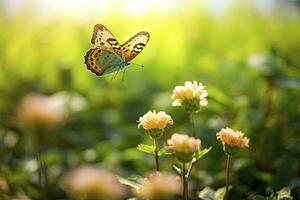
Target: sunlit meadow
[[213, 114]]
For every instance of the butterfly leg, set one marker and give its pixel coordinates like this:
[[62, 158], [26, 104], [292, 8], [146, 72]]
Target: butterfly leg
[[116, 73], [114, 76], [123, 74]]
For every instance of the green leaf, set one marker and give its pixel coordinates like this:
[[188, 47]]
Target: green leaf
[[53, 158], [164, 151], [207, 193], [178, 170], [259, 197], [284, 194], [265, 176], [146, 148], [128, 182], [220, 193], [199, 154]]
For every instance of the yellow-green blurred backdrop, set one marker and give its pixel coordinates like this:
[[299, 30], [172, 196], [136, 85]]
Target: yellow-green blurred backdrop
[[245, 52]]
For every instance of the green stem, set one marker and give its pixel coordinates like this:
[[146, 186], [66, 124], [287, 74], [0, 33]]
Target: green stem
[[45, 175], [156, 154], [186, 189], [40, 173], [42, 176], [183, 181], [193, 124], [227, 177], [190, 170], [42, 170], [185, 195]]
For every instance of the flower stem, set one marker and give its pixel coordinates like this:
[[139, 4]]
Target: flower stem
[[186, 189], [42, 176], [227, 176], [185, 195], [156, 154], [42, 170], [193, 124], [190, 170], [183, 181]]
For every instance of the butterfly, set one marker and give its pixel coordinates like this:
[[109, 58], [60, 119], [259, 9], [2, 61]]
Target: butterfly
[[107, 55]]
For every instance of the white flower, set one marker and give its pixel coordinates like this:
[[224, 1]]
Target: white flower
[[153, 120]]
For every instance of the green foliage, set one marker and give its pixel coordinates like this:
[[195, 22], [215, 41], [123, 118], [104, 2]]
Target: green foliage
[[283, 194], [164, 151], [259, 197], [247, 56], [177, 169], [208, 193], [199, 154], [146, 148], [151, 150], [131, 182]]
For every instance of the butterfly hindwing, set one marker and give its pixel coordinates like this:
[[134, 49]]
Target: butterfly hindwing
[[107, 55], [102, 37], [103, 61], [135, 45]]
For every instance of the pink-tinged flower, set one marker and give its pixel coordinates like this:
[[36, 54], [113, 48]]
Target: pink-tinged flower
[[3, 185], [183, 143], [42, 110], [89, 183], [20, 197], [192, 96], [159, 186], [233, 138], [153, 120]]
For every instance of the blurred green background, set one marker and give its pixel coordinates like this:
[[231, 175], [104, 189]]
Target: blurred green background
[[247, 53]]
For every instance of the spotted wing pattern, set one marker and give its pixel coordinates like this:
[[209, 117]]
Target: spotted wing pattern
[[135, 45], [102, 37], [103, 61]]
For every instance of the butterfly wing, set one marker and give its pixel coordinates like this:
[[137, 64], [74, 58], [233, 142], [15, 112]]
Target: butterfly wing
[[135, 45], [103, 61], [102, 37]]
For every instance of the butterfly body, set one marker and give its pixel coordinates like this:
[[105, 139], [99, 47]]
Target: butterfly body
[[103, 61], [107, 55]]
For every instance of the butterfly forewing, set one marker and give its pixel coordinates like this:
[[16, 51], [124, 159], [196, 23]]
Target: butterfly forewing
[[103, 61], [102, 37], [107, 56], [135, 45]]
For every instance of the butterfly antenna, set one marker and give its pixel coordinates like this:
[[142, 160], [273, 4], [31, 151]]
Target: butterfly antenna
[[137, 65]]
